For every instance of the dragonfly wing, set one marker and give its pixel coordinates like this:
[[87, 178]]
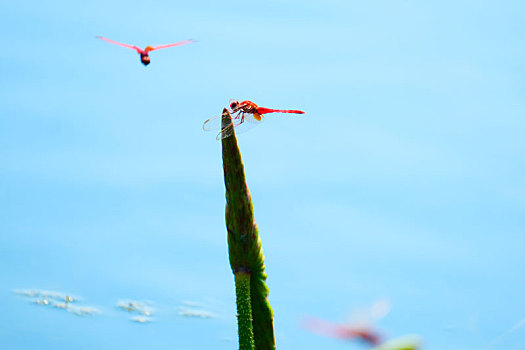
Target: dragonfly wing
[[239, 125], [245, 126], [136, 48], [214, 123], [254, 118], [329, 329], [158, 47], [367, 316], [226, 132], [322, 327], [335, 330]]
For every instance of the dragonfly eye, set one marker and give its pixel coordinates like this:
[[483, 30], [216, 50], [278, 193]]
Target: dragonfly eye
[[234, 104]]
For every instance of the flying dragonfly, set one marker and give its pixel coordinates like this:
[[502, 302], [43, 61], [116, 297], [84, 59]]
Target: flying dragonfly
[[367, 334], [244, 111], [361, 327], [144, 53]]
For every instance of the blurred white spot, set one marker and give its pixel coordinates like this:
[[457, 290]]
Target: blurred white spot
[[140, 319], [188, 312], [61, 305], [192, 304], [380, 309], [136, 307], [42, 301], [84, 310], [58, 300], [26, 293]]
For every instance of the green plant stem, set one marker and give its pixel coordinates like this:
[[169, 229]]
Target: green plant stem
[[244, 310], [244, 244]]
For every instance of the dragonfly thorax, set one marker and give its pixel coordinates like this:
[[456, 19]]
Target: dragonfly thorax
[[244, 106]]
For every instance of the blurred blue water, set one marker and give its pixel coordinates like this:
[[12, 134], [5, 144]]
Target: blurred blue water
[[404, 180]]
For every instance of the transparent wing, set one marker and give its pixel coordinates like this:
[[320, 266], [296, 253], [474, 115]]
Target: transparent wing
[[335, 330], [367, 316], [253, 118], [138, 49], [158, 47], [238, 127], [215, 123], [226, 132], [241, 123]]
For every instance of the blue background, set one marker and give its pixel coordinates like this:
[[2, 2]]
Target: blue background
[[404, 179]]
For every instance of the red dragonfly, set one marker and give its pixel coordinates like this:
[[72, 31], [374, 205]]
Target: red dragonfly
[[367, 334], [242, 112], [144, 53], [360, 328]]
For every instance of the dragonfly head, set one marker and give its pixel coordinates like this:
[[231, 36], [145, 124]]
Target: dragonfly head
[[145, 59], [234, 105]]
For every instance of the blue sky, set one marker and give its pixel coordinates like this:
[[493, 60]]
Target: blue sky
[[403, 180]]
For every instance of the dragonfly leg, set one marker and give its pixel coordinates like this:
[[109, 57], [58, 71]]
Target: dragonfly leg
[[235, 115]]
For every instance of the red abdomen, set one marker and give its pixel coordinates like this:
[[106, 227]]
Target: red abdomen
[[263, 110]]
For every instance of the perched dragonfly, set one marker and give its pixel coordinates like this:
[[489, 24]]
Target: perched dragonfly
[[245, 111], [144, 53]]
